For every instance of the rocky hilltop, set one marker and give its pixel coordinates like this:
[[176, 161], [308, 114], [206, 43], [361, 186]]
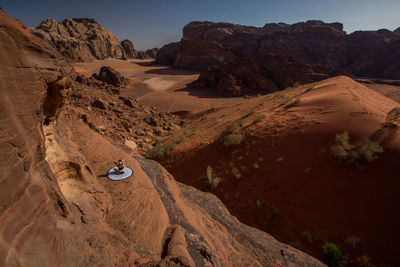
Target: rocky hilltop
[[80, 39], [315, 43], [84, 39], [57, 206]]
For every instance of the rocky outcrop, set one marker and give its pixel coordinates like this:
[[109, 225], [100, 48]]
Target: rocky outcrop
[[260, 75], [148, 54], [57, 206], [129, 49], [167, 54], [111, 76], [374, 53], [80, 39]]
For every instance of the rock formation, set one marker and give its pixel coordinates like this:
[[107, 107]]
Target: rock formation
[[148, 54], [80, 39], [372, 53], [129, 49], [260, 75], [111, 76], [57, 207]]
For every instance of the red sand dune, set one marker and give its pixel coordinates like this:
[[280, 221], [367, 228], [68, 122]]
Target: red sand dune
[[297, 175]]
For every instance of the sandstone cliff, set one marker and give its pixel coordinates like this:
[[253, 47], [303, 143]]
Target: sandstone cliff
[[80, 39], [129, 49], [58, 209], [148, 54], [372, 53]]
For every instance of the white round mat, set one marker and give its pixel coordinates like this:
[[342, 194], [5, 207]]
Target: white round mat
[[116, 177]]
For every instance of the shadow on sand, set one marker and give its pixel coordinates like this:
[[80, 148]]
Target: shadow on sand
[[171, 71], [145, 63], [200, 92]]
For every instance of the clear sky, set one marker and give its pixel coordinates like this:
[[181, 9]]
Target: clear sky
[[153, 23]]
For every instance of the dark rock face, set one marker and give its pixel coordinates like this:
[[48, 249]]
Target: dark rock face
[[168, 53], [148, 54], [80, 39], [374, 53], [129, 49], [260, 75], [111, 76]]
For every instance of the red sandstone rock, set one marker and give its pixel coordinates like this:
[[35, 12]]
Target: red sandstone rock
[[58, 209], [80, 39], [129, 49], [374, 53]]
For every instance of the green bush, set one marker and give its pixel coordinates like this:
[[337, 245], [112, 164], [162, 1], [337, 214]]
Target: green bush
[[333, 255], [345, 152], [160, 151]]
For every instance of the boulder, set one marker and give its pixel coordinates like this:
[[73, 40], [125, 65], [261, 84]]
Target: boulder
[[111, 76]]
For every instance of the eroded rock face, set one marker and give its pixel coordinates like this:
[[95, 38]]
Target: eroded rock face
[[167, 54], [374, 53], [129, 49], [148, 54], [260, 75], [80, 39], [57, 207]]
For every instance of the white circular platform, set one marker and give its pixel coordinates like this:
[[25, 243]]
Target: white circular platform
[[112, 175]]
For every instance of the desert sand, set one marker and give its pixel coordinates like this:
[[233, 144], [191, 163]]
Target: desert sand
[[286, 164], [162, 87]]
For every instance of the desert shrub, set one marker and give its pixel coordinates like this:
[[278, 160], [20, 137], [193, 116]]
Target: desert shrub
[[235, 171], [159, 151], [231, 135], [333, 255], [352, 241], [212, 178], [256, 166], [393, 116], [307, 236], [345, 152], [259, 204], [233, 139]]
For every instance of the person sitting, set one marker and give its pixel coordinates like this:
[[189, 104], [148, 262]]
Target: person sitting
[[120, 168]]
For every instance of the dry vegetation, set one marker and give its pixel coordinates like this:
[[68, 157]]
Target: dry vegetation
[[349, 153]]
